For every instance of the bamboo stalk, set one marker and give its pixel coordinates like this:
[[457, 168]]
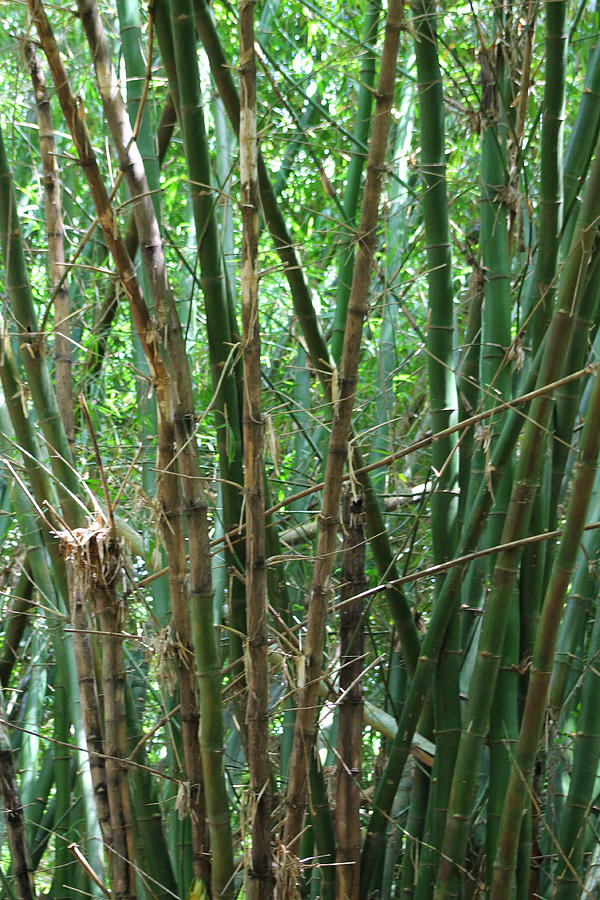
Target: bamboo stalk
[[90, 705], [151, 345], [543, 654], [13, 811], [443, 409], [31, 345], [338, 443], [497, 210], [16, 621], [541, 301], [573, 823], [350, 716], [178, 48], [257, 714], [362, 124], [56, 253], [494, 621], [110, 612]]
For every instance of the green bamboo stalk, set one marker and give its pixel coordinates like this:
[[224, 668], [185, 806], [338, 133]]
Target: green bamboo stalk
[[32, 715], [63, 772], [37, 813], [572, 827], [541, 301], [494, 623], [443, 410], [257, 713], [569, 663], [362, 124], [568, 398], [580, 149], [338, 443], [90, 705], [543, 655], [447, 607], [184, 80], [496, 384], [321, 824], [152, 855]]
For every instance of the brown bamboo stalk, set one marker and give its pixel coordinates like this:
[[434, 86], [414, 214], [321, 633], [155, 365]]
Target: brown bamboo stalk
[[172, 530], [165, 393], [110, 611], [257, 672], [95, 566], [338, 443], [56, 253], [350, 716], [90, 705], [74, 113], [181, 416], [9, 792]]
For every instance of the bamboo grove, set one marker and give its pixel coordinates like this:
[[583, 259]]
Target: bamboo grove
[[299, 440]]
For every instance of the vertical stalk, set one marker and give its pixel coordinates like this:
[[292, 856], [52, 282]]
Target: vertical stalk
[[551, 182], [31, 345], [184, 79], [495, 617], [544, 649], [362, 124], [350, 715], [338, 442], [443, 406], [56, 252], [90, 704], [16, 621], [572, 825], [9, 792], [496, 384], [257, 715]]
